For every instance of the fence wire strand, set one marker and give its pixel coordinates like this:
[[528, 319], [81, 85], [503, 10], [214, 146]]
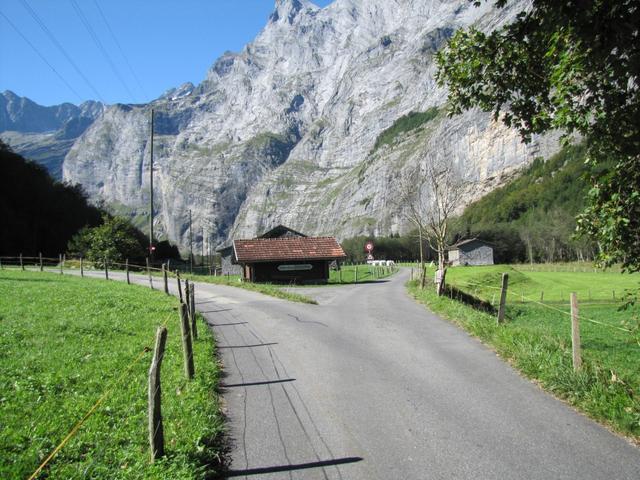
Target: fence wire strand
[[96, 405], [550, 307]]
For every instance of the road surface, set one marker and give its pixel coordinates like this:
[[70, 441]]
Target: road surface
[[370, 385]]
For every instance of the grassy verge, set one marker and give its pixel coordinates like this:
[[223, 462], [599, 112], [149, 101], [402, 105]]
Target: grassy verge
[[264, 288], [538, 344], [64, 342]]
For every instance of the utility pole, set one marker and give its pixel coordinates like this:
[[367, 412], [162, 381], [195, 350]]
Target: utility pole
[[190, 245], [202, 262], [151, 196]]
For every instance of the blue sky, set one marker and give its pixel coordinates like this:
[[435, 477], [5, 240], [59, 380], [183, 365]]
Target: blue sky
[[166, 43]]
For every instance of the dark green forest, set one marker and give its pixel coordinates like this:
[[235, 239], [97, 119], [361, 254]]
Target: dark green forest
[[39, 214], [42, 215], [532, 218]]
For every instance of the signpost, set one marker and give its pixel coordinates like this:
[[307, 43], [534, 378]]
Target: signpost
[[369, 248]]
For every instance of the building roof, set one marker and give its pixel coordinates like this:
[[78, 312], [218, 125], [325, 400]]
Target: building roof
[[466, 242], [281, 231], [286, 249]]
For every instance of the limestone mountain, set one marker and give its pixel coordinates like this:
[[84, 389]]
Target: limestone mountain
[[314, 124], [44, 134]]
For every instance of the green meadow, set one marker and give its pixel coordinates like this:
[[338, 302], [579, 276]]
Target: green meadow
[[65, 344]]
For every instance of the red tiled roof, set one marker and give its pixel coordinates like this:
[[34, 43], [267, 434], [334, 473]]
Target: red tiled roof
[[284, 249]]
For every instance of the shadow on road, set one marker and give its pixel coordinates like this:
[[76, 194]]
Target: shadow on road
[[290, 468], [220, 347], [251, 384]]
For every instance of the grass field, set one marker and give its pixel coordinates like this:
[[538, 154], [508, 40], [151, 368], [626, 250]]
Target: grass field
[[537, 336], [64, 342]]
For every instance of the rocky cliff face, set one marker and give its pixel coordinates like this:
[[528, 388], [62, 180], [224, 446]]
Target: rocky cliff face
[[285, 131], [44, 134]]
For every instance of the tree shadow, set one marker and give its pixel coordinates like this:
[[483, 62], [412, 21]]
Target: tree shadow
[[286, 468]]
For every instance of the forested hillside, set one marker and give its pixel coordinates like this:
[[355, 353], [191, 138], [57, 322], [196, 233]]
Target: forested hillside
[[39, 214], [532, 218]]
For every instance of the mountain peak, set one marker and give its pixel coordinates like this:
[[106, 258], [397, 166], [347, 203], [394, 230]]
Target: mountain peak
[[287, 10]]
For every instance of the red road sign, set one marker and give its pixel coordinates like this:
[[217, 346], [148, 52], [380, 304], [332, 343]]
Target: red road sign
[[369, 246]]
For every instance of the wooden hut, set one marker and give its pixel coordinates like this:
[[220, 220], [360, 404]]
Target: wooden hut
[[471, 252], [287, 259], [227, 261]]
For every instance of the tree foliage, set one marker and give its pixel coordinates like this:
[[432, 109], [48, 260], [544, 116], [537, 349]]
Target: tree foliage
[[115, 239], [532, 217], [571, 66]]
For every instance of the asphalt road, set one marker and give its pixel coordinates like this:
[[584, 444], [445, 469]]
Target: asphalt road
[[371, 385]]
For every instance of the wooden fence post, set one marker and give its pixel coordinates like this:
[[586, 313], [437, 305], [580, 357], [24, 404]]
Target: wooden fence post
[[192, 307], [503, 297], [356, 280], [166, 279], [60, 262], [82, 267], [149, 273], [41, 265], [1, 267], [106, 269], [575, 333], [21, 264], [340, 274], [126, 268], [542, 296], [156, 432], [187, 346], [187, 297], [179, 285]]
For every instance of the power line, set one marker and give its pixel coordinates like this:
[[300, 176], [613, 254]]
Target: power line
[[100, 46], [53, 39], [41, 56], [115, 40]]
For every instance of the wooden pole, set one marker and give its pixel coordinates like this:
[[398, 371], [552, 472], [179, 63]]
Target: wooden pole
[[356, 280], [106, 269], [41, 265], [179, 285], [166, 278], [21, 264], [542, 296], [187, 346], [81, 267], [187, 296], [192, 307], [151, 190], [64, 259], [60, 262], [149, 273], [190, 245], [126, 268], [503, 297], [575, 333], [156, 432]]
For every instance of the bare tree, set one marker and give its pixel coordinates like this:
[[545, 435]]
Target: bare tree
[[430, 197], [414, 208]]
